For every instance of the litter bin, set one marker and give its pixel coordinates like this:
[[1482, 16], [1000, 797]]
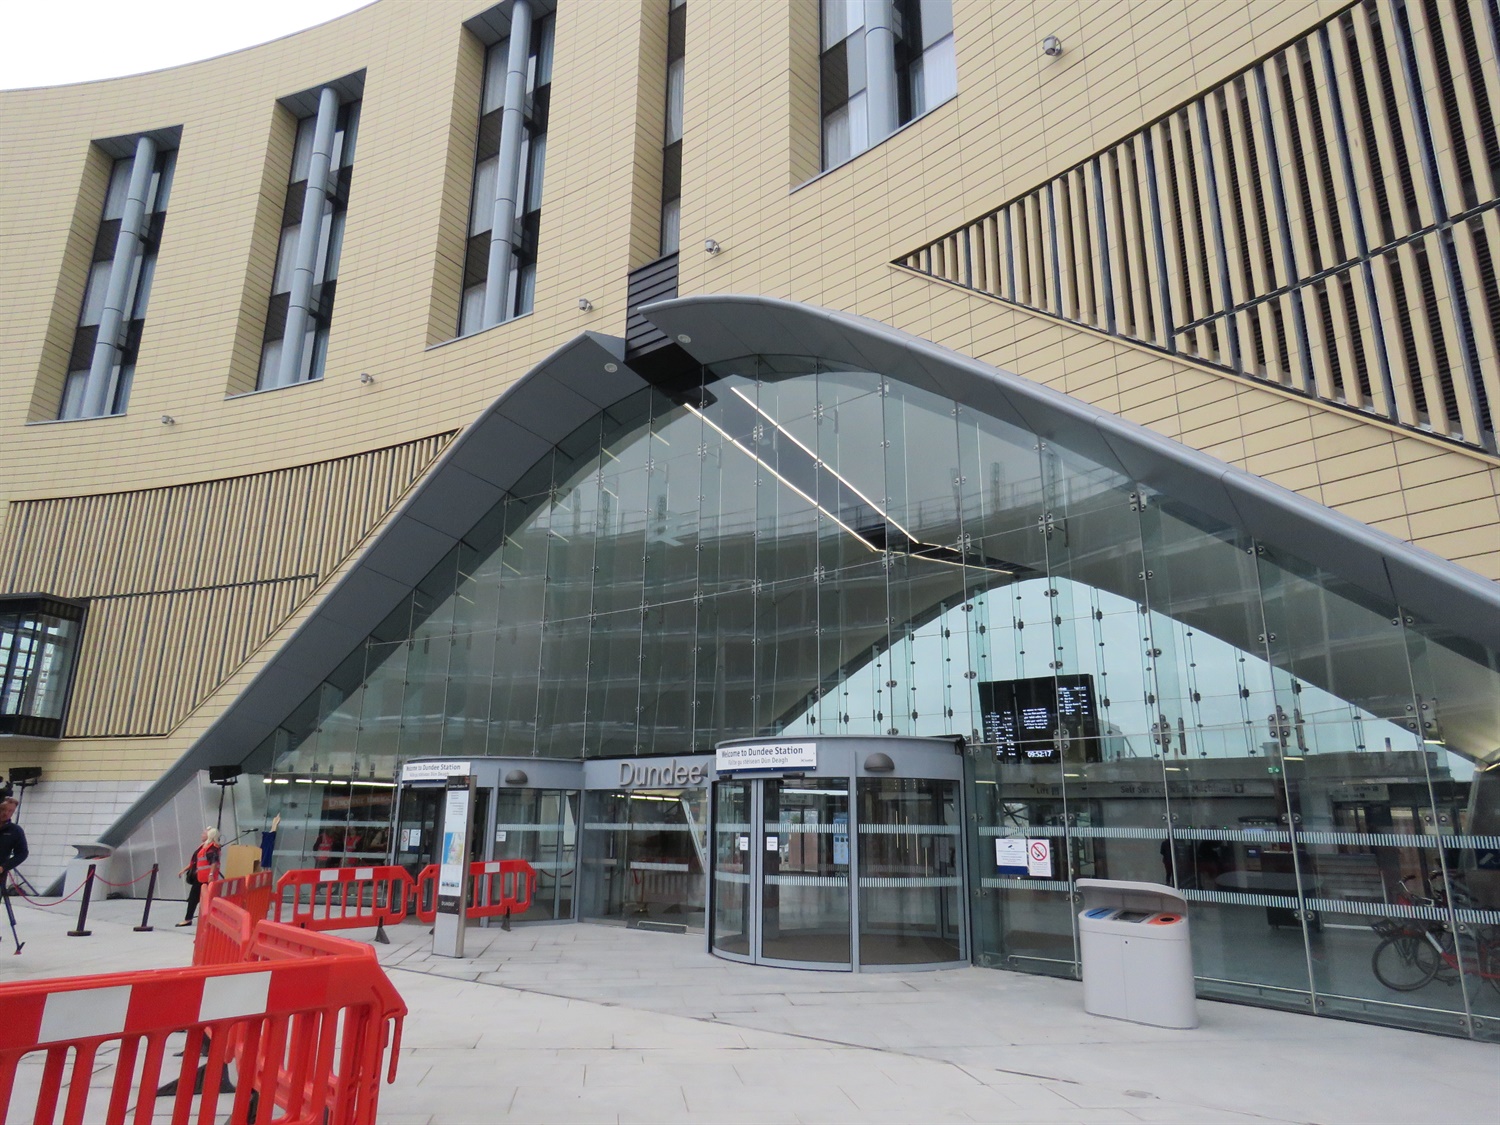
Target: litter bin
[[1136, 952]]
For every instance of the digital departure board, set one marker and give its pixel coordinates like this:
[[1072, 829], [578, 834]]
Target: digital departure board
[[1023, 718]]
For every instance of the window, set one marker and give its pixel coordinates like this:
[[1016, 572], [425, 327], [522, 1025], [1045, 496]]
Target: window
[[102, 364], [312, 234], [671, 157], [38, 647], [500, 274], [884, 63]]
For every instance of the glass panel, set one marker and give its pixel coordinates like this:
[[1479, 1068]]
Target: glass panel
[[645, 851], [934, 77], [910, 910], [805, 871], [302, 149], [675, 72], [541, 827], [671, 225], [732, 867], [841, 18], [482, 212], [416, 832], [98, 288], [1232, 852], [119, 188], [494, 76]]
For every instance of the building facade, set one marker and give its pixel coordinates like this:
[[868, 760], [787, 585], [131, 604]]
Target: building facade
[[1067, 433]]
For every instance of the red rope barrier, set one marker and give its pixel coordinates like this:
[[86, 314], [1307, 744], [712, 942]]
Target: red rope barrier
[[101, 879], [16, 890]]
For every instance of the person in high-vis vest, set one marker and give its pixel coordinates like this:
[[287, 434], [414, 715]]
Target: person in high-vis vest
[[202, 868]]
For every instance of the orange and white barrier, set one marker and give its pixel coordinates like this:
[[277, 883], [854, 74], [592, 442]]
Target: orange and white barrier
[[500, 887], [303, 1019], [344, 898], [497, 888], [254, 892]]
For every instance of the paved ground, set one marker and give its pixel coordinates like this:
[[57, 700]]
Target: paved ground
[[598, 1024]]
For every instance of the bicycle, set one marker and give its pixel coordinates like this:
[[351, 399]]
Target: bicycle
[[1412, 953]]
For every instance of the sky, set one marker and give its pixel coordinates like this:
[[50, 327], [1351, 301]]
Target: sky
[[50, 42]]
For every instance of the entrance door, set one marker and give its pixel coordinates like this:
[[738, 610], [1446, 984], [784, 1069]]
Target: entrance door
[[419, 823], [781, 872], [838, 872]]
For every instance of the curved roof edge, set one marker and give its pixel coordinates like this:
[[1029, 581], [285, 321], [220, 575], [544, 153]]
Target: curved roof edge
[[589, 374], [539, 410], [722, 327]]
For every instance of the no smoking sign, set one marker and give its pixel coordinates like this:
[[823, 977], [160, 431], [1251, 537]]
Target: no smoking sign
[[1039, 858]]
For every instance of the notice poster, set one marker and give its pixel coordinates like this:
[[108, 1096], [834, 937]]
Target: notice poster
[[455, 832], [841, 839], [1039, 859], [1010, 856]]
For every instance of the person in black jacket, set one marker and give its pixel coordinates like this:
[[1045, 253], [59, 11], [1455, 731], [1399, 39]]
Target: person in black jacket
[[13, 849]]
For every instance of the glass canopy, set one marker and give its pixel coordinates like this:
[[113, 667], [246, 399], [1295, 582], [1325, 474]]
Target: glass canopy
[[788, 546]]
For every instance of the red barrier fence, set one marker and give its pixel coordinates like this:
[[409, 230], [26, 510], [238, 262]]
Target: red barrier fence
[[343, 898], [254, 893], [497, 888], [224, 932], [348, 898], [427, 894], [305, 1020], [500, 887]]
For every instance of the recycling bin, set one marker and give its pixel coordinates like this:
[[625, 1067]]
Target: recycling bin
[[1137, 953]]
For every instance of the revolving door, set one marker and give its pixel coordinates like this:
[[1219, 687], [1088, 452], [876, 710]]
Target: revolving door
[[854, 865]]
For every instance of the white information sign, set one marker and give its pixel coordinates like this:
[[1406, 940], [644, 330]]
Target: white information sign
[[767, 756], [744, 843], [1039, 859], [1010, 856], [434, 771], [773, 843], [455, 820]]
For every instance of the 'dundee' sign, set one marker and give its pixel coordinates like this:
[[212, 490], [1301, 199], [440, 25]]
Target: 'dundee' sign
[[767, 756]]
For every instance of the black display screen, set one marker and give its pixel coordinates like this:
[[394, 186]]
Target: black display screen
[[1023, 718]]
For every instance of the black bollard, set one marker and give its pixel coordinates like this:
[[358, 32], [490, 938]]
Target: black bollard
[[145, 926], [83, 908]]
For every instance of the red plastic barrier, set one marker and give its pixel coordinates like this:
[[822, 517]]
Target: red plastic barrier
[[500, 887], [497, 888], [305, 1023], [427, 893], [224, 932], [254, 892], [343, 898]]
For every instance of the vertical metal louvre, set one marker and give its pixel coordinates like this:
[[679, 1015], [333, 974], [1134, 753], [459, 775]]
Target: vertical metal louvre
[[1325, 220]]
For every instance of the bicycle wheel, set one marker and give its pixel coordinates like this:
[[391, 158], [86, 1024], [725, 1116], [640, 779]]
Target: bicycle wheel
[[1489, 957], [1405, 962]]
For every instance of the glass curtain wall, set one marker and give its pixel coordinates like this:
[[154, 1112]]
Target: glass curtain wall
[[796, 547]]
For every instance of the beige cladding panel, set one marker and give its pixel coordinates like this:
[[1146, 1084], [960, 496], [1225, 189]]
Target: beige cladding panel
[[185, 583]]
